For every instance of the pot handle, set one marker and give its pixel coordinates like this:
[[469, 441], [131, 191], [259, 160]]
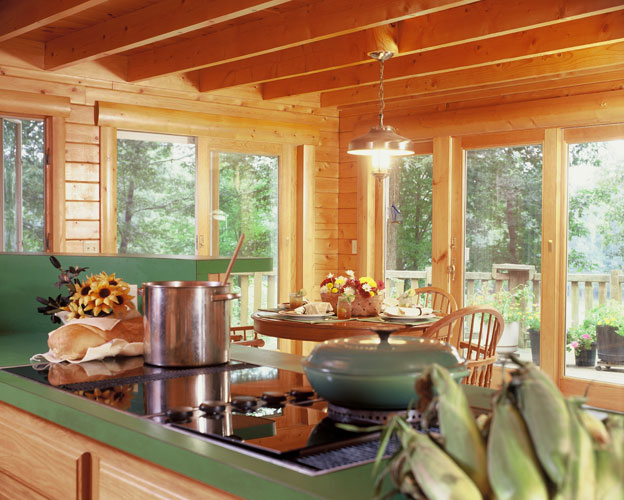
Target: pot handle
[[225, 296]]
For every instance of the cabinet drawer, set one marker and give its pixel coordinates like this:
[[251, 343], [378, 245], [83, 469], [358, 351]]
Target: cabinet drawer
[[10, 489]]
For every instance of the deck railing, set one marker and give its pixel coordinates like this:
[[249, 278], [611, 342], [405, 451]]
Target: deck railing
[[584, 290], [259, 289]]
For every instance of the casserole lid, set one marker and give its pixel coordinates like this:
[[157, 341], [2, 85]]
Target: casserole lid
[[373, 355]]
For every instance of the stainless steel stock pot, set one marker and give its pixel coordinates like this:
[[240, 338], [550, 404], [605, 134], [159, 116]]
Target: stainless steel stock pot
[[187, 323]]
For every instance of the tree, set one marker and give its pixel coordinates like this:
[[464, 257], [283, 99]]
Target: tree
[[155, 197]]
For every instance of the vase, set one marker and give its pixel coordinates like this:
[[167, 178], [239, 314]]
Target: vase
[[508, 342], [343, 308], [585, 357], [361, 306], [534, 337], [610, 344]]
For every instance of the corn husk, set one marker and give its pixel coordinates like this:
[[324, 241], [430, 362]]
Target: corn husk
[[542, 405], [462, 439], [513, 468]]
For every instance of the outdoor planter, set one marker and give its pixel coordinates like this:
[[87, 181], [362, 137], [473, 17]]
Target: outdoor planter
[[585, 357], [534, 337], [508, 342], [610, 345]]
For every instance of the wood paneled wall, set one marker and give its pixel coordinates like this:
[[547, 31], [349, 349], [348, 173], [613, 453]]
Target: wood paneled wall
[[18, 71]]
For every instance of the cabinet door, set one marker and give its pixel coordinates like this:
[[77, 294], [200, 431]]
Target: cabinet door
[[36, 453], [124, 477]]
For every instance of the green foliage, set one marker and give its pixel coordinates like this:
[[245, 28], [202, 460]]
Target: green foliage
[[503, 206], [610, 313], [155, 198], [248, 200], [581, 336]]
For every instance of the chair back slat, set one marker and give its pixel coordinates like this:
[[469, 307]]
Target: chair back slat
[[475, 331]]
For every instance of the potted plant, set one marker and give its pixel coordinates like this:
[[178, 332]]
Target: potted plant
[[532, 320], [582, 339], [365, 294], [609, 322]]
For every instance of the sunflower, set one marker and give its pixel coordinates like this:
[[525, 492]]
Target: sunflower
[[74, 309]]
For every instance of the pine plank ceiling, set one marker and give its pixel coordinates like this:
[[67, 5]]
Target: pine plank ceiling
[[292, 47]]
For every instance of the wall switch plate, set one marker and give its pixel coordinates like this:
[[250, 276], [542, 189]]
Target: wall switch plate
[[91, 247], [354, 246]]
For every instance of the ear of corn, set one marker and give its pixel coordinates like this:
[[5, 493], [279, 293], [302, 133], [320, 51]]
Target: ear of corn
[[541, 404], [513, 468], [437, 474], [580, 480], [610, 462], [596, 428], [462, 438]]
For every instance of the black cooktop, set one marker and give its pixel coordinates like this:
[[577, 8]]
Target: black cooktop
[[263, 410]]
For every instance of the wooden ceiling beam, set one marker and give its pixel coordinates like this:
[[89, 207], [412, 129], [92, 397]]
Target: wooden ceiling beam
[[311, 22], [21, 16], [551, 66], [572, 35], [153, 23], [332, 53], [413, 35]]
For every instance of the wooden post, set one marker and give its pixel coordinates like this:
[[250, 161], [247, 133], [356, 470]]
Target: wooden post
[[616, 292]]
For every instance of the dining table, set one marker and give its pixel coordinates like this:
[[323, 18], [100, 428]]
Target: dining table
[[273, 324]]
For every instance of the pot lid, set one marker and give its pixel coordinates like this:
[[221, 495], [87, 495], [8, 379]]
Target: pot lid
[[371, 355]]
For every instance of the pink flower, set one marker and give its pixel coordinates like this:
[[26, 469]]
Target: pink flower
[[574, 344], [585, 336]]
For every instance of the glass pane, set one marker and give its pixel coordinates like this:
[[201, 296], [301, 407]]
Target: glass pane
[[33, 185], [248, 203], [408, 225], [23, 170], [594, 311], [503, 240], [155, 197]]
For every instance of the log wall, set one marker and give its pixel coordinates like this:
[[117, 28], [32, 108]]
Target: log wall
[[19, 71]]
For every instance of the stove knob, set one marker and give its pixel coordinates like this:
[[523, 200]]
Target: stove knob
[[213, 407], [273, 398], [301, 393], [179, 413], [245, 403]]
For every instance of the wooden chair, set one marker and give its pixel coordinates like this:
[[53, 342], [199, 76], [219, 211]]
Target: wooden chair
[[245, 335], [434, 298], [475, 331]]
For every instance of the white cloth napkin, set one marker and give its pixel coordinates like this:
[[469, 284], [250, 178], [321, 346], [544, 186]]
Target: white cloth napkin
[[315, 308], [112, 348]]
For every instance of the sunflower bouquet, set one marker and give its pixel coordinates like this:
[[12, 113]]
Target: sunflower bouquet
[[98, 295]]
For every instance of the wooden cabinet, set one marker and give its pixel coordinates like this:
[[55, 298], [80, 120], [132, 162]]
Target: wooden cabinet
[[42, 460]]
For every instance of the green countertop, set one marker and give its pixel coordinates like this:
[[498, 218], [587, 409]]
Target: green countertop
[[223, 468]]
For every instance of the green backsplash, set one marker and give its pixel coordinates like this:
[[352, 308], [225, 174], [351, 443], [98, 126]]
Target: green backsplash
[[25, 276]]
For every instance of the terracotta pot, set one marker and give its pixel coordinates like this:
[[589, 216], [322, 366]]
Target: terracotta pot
[[360, 306]]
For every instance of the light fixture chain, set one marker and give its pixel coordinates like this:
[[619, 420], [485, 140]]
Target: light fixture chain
[[381, 91]]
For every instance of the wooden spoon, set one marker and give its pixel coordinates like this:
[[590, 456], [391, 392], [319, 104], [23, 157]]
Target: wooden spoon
[[232, 260]]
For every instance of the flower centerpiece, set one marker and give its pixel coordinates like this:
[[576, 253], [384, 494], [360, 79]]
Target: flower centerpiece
[[365, 294], [96, 296]]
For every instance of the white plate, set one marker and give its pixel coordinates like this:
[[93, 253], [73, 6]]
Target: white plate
[[408, 312], [407, 319], [293, 315]]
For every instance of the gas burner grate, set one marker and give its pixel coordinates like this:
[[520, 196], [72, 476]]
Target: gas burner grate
[[362, 416], [348, 455], [159, 374]]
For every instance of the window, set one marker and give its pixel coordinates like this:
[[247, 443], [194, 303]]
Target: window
[[503, 239], [155, 194], [594, 310], [408, 224], [22, 185]]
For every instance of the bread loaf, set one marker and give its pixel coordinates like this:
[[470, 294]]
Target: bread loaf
[[73, 373], [71, 341]]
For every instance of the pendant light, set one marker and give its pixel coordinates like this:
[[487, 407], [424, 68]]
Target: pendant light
[[381, 142]]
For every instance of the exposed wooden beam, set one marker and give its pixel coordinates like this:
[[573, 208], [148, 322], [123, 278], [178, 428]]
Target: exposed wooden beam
[[21, 16], [332, 53], [413, 35], [582, 33], [153, 23], [513, 72], [311, 22]]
